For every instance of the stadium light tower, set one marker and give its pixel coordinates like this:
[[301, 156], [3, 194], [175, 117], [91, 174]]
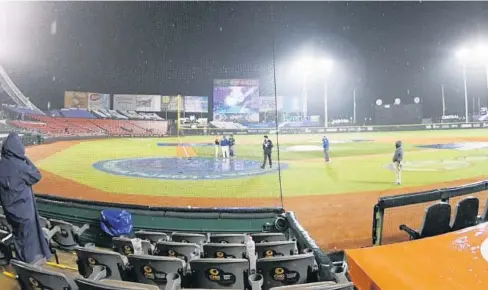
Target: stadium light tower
[[463, 56], [305, 67], [326, 67], [318, 67]]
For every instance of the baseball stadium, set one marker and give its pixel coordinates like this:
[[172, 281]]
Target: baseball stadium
[[243, 186]]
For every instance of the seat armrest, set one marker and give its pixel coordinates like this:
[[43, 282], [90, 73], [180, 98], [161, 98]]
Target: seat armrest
[[412, 233], [99, 272]]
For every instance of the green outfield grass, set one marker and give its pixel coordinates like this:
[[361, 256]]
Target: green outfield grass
[[354, 167]]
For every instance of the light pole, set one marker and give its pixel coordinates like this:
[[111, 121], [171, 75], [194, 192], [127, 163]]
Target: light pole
[[463, 56], [315, 66], [326, 66]]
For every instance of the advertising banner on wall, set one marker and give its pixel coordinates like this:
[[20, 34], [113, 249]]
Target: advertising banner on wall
[[268, 103], [98, 101], [170, 104], [196, 104], [75, 100], [125, 102], [148, 103]]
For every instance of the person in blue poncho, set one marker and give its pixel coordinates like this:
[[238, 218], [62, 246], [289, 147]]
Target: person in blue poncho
[[325, 145], [224, 144], [17, 176]]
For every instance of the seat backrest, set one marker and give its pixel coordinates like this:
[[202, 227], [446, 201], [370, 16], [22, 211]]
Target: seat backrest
[[228, 238], [125, 247], [65, 237], [287, 270], [154, 270], [44, 222], [436, 220], [34, 277], [275, 249], [153, 237], [224, 251], [185, 251], [90, 257], [268, 237], [219, 273], [86, 284], [189, 238], [466, 213], [4, 225]]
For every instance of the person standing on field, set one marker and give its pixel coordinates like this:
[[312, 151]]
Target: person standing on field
[[267, 150], [232, 145], [17, 176], [224, 144], [397, 161], [217, 145], [325, 145]]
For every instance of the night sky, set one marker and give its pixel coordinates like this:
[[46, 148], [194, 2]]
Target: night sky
[[383, 50]]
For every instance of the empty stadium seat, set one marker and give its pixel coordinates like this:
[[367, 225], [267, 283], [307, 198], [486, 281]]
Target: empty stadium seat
[[224, 251], [185, 251], [466, 213], [268, 237], [276, 249], [89, 257], [484, 216], [288, 270], [125, 246], [153, 237], [198, 239], [68, 236], [35, 277], [228, 238], [156, 270], [436, 222], [4, 225], [107, 284], [219, 273]]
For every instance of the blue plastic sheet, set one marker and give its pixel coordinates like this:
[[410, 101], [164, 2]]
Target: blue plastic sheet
[[116, 222]]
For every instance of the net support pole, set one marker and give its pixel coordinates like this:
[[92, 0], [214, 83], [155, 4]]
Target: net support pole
[[178, 114], [378, 218]]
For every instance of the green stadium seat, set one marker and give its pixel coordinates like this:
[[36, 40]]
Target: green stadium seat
[[35, 277], [198, 239], [68, 236], [228, 238], [219, 273], [268, 237], [159, 271], [124, 246], [153, 237], [89, 257], [185, 251]]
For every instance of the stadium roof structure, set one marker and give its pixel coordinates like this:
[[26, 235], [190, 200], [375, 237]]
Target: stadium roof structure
[[13, 92]]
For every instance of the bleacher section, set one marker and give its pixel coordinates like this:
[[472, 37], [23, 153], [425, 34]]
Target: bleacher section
[[81, 122]]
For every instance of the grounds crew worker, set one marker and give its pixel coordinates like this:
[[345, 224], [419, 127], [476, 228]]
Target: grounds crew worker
[[267, 150], [397, 161]]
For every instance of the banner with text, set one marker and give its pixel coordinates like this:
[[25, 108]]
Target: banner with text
[[75, 100], [196, 104], [125, 102], [268, 103], [148, 103], [170, 104], [98, 101]]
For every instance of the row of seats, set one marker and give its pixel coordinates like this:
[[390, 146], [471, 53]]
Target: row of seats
[[57, 127], [437, 218]]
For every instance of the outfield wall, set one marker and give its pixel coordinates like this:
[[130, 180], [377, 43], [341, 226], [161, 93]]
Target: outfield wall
[[348, 129]]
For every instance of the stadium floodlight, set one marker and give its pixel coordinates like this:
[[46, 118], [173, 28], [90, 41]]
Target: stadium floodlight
[[463, 55], [326, 68]]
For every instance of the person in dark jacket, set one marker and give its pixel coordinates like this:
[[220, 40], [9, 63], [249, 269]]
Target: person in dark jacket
[[17, 175], [267, 150], [232, 145], [398, 160]]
